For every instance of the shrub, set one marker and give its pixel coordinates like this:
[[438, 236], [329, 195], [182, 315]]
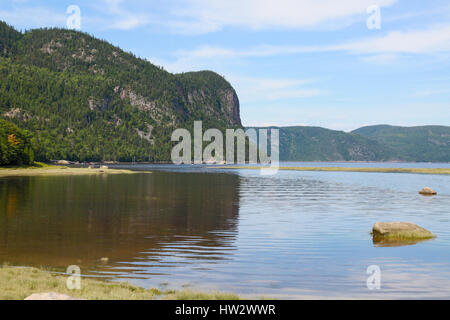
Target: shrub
[[15, 145]]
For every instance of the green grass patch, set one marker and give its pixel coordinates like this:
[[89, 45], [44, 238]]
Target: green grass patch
[[17, 283], [404, 235], [35, 165]]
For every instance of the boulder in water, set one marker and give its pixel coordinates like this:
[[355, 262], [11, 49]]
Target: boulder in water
[[427, 192], [399, 231]]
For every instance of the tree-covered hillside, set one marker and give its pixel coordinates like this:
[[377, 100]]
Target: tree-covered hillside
[[15, 145], [424, 143], [84, 99], [319, 144]]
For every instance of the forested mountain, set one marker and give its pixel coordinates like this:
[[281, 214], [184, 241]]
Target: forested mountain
[[85, 99], [374, 143], [319, 144], [424, 143]]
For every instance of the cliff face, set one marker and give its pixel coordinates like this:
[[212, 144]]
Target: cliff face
[[206, 90], [85, 99]]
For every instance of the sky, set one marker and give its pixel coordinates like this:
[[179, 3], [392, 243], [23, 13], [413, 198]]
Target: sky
[[328, 63]]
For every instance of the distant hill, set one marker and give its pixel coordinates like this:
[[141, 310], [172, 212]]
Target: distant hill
[[85, 99], [319, 144], [422, 144], [374, 143]]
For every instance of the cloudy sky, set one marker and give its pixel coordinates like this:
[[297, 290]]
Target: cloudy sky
[[292, 62]]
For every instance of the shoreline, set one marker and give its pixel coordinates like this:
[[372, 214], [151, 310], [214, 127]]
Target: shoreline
[[442, 171], [17, 283], [41, 169]]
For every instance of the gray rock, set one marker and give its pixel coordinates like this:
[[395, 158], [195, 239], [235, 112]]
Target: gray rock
[[49, 296]]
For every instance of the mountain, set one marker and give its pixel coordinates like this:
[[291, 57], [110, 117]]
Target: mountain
[[373, 143], [422, 144], [318, 144], [85, 99]]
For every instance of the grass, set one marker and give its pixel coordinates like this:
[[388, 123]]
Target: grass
[[36, 165], [404, 235], [17, 283], [347, 169]]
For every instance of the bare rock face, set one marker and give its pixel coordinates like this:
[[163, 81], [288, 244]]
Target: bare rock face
[[230, 102], [427, 192], [400, 231], [49, 296]]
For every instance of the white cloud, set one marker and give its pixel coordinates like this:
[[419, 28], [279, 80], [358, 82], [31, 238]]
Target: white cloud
[[383, 49], [130, 22], [33, 17], [434, 39], [115, 16], [384, 58], [264, 14], [251, 89]]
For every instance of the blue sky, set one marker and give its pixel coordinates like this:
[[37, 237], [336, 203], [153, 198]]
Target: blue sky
[[292, 62]]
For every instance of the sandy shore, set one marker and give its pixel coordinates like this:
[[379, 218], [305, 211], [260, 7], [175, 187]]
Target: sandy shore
[[347, 169], [60, 171]]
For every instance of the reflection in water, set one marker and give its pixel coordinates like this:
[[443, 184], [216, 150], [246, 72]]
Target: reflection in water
[[59, 221], [386, 242], [292, 235]]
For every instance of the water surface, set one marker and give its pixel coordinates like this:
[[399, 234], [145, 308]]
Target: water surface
[[292, 235]]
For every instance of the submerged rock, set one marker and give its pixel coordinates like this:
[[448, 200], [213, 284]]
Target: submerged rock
[[427, 192], [49, 296], [399, 231]]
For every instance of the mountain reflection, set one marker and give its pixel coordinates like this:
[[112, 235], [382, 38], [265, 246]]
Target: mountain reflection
[[130, 219]]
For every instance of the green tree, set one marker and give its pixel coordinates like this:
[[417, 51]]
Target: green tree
[[15, 145]]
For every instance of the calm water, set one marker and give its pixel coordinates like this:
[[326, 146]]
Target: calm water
[[293, 235]]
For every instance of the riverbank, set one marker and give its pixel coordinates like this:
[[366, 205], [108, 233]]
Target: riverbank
[[347, 169], [17, 283], [41, 169]]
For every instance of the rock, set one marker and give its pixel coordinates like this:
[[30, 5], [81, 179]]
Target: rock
[[399, 231], [91, 166], [63, 162], [388, 242], [49, 296], [104, 260], [103, 167], [427, 192]]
